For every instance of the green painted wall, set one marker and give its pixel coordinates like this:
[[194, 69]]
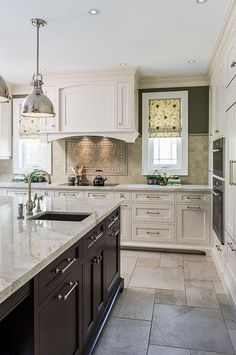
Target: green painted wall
[[198, 107]]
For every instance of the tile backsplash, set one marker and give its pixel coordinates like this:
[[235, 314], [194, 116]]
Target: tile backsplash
[[198, 161]]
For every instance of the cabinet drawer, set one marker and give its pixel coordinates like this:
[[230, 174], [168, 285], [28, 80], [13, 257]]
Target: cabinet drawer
[[112, 219], [153, 212], [54, 273], [153, 196], [71, 194], [17, 192], [192, 197], [99, 195], [93, 238], [231, 255], [153, 232], [125, 196]]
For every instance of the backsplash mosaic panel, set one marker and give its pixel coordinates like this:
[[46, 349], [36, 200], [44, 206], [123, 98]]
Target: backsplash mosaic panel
[[107, 154]]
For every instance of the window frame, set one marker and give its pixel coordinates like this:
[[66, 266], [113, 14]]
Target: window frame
[[148, 167], [16, 101]]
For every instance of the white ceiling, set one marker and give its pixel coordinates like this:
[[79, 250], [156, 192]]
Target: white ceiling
[[158, 36]]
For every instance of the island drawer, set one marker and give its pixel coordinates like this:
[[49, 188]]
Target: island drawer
[[192, 197], [54, 273], [112, 219], [153, 212], [153, 232], [94, 237], [153, 196]]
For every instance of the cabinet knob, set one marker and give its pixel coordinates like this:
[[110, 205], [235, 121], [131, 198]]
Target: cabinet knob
[[233, 64], [218, 247], [231, 246], [217, 131]]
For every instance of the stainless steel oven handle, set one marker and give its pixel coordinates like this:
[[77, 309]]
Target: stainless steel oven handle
[[217, 150], [214, 193]]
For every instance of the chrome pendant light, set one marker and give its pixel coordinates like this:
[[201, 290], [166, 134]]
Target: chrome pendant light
[[37, 104], [4, 93]]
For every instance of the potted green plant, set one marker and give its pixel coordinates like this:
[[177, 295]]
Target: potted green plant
[[165, 176]]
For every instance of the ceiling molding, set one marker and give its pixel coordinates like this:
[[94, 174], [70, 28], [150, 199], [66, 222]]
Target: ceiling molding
[[225, 35], [152, 82]]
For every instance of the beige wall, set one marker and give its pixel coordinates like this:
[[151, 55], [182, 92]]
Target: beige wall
[[198, 163]]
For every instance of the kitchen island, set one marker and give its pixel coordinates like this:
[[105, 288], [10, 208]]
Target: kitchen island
[[57, 278]]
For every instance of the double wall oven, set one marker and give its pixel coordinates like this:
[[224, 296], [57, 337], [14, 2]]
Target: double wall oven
[[218, 188]]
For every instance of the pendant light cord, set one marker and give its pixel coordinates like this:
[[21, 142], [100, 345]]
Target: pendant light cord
[[38, 49]]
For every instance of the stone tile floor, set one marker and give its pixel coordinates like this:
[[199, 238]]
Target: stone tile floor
[[172, 304]]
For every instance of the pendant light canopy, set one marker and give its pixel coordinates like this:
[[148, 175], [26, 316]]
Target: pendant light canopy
[[4, 93], [37, 104]]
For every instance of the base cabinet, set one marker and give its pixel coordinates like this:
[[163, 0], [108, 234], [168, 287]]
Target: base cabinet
[[59, 318], [193, 224]]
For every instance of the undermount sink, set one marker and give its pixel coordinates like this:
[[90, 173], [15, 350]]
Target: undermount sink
[[61, 216]]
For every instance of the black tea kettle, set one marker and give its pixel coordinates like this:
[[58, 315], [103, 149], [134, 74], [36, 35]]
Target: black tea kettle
[[99, 180]]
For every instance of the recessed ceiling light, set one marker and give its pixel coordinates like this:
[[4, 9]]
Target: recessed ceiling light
[[201, 1], [94, 12], [123, 64], [191, 61]]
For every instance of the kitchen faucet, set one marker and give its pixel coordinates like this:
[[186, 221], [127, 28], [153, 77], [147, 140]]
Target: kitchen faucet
[[31, 204]]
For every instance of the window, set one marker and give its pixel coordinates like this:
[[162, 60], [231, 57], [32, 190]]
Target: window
[[29, 152], [165, 132]]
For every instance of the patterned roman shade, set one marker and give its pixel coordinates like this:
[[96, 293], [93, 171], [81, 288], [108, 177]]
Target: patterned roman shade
[[29, 127], [164, 118]]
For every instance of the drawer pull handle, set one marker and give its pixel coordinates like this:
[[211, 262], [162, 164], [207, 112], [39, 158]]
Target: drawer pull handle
[[122, 196], [193, 198], [68, 195], [62, 271], [149, 196], [96, 237], [64, 298], [153, 232], [148, 212], [97, 259], [217, 131], [98, 195], [231, 246], [218, 248], [113, 220], [233, 64], [115, 233], [194, 207]]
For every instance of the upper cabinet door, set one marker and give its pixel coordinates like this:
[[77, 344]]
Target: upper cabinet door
[[218, 103], [51, 124], [231, 60], [125, 106], [88, 108]]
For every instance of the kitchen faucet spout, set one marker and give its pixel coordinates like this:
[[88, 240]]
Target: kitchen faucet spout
[[31, 204]]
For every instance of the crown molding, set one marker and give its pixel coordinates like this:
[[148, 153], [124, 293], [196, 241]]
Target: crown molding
[[225, 35], [152, 82]]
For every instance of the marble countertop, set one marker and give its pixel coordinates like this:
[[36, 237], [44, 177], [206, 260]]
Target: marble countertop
[[119, 187], [28, 246]]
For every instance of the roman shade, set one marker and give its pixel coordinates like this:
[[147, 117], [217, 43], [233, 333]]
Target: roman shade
[[165, 118]]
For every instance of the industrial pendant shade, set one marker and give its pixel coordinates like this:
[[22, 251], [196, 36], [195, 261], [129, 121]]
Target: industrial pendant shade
[[4, 93], [37, 104]]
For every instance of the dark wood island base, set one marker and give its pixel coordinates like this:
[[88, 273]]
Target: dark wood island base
[[63, 310]]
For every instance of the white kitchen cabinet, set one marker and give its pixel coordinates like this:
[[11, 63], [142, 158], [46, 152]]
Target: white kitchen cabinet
[[88, 108], [5, 131], [230, 59], [101, 195], [153, 232], [165, 197], [153, 212], [193, 224], [230, 173], [51, 124], [125, 222], [220, 253], [69, 194], [126, 106], [231, 260], [218, 102]]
